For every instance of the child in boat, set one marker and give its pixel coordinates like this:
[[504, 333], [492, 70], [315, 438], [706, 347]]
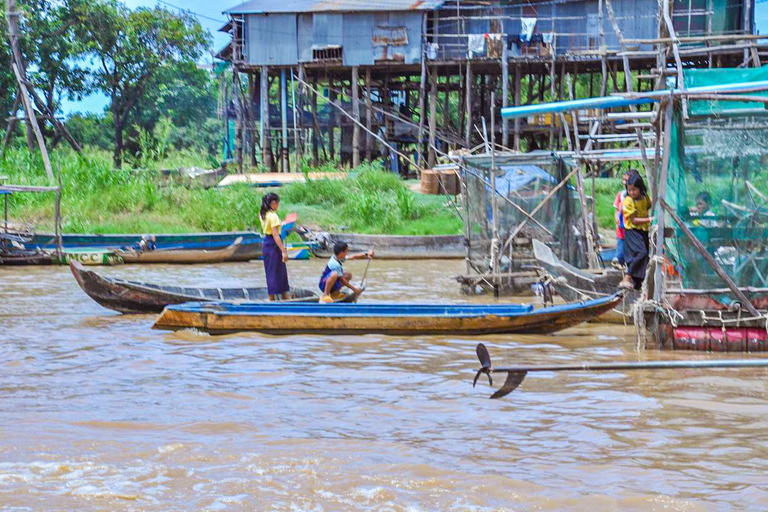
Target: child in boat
[[334, 277], [637, 222]]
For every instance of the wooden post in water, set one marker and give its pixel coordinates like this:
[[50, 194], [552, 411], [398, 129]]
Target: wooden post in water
[[494, 204]]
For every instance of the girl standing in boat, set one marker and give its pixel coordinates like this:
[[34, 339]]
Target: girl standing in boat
[[275, 255], [637, 223]]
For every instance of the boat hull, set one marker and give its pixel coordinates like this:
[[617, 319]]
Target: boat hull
[[574, 284], [221, 318], [131, 297], [399, 247]]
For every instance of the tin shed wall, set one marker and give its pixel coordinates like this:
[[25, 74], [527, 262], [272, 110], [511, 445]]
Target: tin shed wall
[[271, 40]]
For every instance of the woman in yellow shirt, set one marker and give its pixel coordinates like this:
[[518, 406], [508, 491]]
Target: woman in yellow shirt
[[274, 253], [636, 209]]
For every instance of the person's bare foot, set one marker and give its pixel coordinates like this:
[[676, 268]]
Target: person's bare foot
[[627, 283]]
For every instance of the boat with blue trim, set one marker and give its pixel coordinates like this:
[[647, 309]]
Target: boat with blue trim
[[382, 318]]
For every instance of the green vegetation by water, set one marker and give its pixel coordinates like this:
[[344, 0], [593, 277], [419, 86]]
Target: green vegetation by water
[[97, 198]]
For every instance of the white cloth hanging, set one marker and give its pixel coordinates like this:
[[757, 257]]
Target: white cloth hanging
[[475, 44], [526, 31], [548, 37]]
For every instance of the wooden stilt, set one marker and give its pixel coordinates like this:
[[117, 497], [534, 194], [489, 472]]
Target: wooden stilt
[[517, 104], [422, 104], [316, 134], [468, 133], [299, 119], [333, 118], [285, 165], [432, 117], [253, 98], [368, 115], [266, 153], [504, 92], [356, 114]]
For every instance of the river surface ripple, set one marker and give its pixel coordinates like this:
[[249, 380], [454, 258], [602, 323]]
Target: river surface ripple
[[99, 412]]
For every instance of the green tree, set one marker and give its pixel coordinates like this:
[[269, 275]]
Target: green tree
[[130, 48], [52, 51]]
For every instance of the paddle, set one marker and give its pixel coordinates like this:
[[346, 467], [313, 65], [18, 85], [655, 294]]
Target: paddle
[[516, 374], [365, 273]]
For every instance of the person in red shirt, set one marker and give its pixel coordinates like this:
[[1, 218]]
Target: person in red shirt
[[619, 217]]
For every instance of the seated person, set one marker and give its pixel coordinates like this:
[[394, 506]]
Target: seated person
[[703, 209], [334, 277]]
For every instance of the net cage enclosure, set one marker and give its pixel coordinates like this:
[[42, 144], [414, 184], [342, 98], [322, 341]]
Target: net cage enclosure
[[717, 183], [522, 182]]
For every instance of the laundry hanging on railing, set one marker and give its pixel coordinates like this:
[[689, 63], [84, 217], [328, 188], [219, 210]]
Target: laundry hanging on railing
[[495, 45], [475, 44], [526, 31], [548, 37]]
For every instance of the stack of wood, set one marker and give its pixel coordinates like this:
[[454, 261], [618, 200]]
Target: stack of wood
[[442, 180]]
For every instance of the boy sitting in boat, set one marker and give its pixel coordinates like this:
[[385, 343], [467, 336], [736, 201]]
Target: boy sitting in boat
[[334, 277]]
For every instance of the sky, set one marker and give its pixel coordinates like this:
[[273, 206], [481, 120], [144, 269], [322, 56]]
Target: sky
[[209, 14]]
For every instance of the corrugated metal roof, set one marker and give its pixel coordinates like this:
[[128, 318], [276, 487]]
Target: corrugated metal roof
[[289, 6]]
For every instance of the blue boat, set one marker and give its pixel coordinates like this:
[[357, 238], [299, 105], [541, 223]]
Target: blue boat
[[383, 318]]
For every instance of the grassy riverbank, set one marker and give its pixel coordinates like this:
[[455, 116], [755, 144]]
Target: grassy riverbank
[[101, 199], [97, 198]]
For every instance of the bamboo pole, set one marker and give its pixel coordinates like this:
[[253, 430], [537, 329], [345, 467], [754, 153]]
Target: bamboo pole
[[33, 122], [658, 288]]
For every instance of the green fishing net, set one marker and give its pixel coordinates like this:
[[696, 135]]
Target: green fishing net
[[718, 184]]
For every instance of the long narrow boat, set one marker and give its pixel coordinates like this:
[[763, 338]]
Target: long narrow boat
[[249, 248], [180, 256], [136, 297], [396, 247], [25, 257], [396, 319], [574, 284]]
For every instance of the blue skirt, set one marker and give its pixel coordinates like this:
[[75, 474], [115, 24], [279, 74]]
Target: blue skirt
[[274, 268]]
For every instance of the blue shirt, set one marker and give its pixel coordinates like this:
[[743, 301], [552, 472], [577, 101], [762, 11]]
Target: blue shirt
[[335, 265]]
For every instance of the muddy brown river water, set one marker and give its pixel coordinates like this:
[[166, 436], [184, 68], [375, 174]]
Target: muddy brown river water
[[99, 412]]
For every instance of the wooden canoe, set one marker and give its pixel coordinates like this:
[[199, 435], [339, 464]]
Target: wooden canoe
[[25, 257], [395, 247], [395, 319], [181, 256], [574, 284], [136, 297]]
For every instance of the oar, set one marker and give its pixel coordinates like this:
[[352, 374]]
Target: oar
[[516, 374], [365, 273]]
